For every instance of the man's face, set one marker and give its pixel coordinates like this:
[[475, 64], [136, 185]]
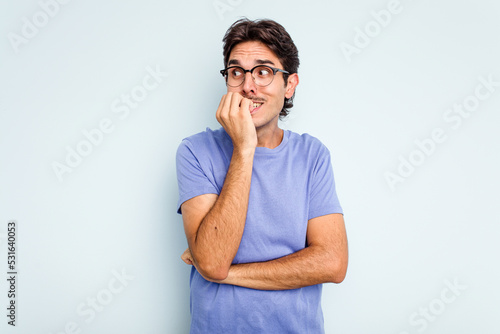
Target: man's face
[[268, 100]]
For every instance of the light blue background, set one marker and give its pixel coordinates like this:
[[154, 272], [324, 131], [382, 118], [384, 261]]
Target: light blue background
[[116, 210]]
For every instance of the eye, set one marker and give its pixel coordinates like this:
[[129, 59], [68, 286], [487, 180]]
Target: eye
[[235, 72], [263, 71]]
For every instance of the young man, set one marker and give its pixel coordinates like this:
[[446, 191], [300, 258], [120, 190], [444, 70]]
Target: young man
[[263, 223]]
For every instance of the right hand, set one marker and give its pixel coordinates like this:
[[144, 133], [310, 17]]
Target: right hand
[[234, 116]]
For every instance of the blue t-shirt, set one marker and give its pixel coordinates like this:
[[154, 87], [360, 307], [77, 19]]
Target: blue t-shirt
[[291, 184]]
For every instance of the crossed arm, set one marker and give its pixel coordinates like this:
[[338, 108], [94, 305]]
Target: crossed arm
[[214, 224], [323, 260]]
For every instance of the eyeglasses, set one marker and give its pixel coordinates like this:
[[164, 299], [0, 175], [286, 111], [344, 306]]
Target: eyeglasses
[[262, 75]]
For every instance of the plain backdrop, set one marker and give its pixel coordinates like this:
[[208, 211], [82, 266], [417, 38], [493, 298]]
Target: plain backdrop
[[405, 94]]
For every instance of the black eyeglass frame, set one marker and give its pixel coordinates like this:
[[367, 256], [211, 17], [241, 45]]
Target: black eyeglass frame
[[274, 69]]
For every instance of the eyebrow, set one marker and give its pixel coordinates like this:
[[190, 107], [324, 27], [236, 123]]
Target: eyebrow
[[258, 61]]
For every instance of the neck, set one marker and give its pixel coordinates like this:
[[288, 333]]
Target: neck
[[269, 138]]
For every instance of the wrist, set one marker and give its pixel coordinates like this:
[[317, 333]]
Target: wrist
[[244, 152]]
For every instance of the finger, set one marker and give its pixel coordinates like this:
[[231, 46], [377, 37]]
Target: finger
[[245, 105], [225, 108], [186, 258], [219, 108], [235, 103]]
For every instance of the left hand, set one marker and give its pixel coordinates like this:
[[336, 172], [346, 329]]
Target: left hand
[[188, 259]]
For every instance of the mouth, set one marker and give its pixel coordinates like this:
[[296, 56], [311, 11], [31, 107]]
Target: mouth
[[255, 106]]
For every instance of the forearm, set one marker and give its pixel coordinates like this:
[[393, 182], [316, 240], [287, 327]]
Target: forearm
[[309, 266], [219, 234]]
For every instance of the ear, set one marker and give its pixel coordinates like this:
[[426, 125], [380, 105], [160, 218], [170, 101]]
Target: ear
[[293, 81]]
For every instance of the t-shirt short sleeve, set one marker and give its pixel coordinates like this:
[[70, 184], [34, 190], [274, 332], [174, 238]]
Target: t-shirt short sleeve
[[191, 178], [323, 195]]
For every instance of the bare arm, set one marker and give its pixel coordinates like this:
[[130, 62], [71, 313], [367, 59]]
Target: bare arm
[[214, 224], [323, 260]]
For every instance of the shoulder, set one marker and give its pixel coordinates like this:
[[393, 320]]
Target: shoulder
[[205, 138], [205, 141], [307, 143], [209, 149]]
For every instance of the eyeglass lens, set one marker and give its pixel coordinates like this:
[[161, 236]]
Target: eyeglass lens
[[262, 76]]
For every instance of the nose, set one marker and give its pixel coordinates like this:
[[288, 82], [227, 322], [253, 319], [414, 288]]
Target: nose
[[248, 85]]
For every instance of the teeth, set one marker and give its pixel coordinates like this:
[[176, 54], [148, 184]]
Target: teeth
[[256, 105]]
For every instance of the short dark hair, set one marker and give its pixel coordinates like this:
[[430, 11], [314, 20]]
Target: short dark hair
[[274, 36]]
